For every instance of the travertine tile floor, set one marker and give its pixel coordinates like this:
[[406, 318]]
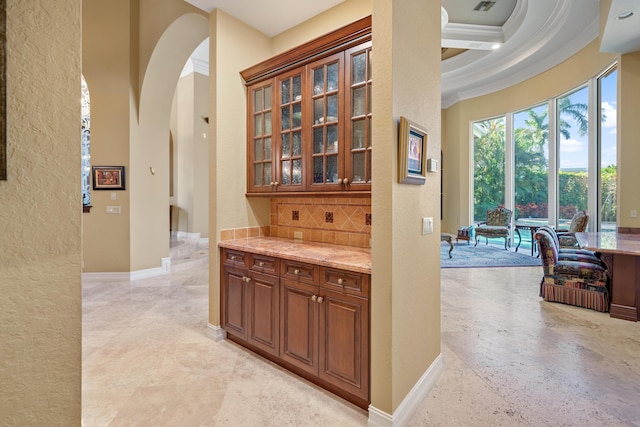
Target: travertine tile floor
[[509, 358]]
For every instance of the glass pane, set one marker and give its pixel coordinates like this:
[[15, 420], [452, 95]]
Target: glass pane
[[357, 136], [357, 105], [297, 143], [573, 158], [318, 111], [531, 168], [368, 166], [297, 171], [257, 119], [369, 65], [608, 151], [369, 99], [286, 145], [286, 172], [332, 108], [367, 138], [257, 150], [318, 81], [257, 174], [332, 139], [318, 140], [297, 115], [285, 117], [267, 97], [257, 100], [358, 167], [318, 170], [267, 174], [297, 88], [488, 166], [332, 168], [267, 123], [358, 68], [267, 148], [332, 77], [285, 89]]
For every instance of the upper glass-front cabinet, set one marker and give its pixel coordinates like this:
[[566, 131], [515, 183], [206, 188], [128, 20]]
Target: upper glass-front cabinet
[[314, 133]]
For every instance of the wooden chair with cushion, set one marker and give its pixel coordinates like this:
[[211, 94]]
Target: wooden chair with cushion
[[497, 225], [567, 238], [579, 283]]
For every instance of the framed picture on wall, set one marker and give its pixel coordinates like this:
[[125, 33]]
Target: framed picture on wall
[[108, 177], [412, 153]]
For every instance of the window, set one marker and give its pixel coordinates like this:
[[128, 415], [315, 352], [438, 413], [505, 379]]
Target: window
[[489, 139], [547, 177], [86, 139]]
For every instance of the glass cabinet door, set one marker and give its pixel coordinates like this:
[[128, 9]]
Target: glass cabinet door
[[326, 77], [261, 129], [290, 151], [358, 126]]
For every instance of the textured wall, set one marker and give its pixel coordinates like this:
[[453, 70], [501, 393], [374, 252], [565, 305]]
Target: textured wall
[[40, 215]]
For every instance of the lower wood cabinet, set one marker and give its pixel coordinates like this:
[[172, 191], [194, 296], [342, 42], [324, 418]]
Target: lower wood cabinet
[[312, 320]]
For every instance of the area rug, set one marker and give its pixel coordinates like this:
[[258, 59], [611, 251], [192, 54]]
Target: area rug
[[470, 256]]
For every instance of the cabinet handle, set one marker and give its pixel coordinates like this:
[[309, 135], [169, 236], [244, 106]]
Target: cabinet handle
[[339, 281], [345, 181], [296, 271], [314, 298], [320, 299], [261, 264]]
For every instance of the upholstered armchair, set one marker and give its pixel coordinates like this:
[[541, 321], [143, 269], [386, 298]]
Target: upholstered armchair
[[497, 225], [579, 283], [567, 238], [571, 254]]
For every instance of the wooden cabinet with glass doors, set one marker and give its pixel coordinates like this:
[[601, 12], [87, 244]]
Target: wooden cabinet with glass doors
[[309, 124]]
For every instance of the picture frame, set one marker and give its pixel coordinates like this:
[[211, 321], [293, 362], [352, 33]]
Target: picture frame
[[108, 177], [412, 153]]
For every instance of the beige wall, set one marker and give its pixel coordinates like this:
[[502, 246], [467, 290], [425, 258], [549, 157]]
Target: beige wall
[[106, 66], [457, 161], [40, 217], [628, 146], [191, 148], [405, 303]]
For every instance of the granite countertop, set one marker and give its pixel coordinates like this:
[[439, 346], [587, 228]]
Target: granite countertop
[[343, 257]]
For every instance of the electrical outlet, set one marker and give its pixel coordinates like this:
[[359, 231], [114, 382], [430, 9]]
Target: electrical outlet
[[113, 209], [113, 195], [297, 234], [634, 214], [427, 225]]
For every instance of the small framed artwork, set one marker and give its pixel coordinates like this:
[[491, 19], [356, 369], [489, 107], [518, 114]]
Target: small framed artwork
[[412, 153], [108, 177]]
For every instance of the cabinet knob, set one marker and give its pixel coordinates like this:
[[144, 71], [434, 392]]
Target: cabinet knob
[[261, 263], [339, 281], [271, 183], [246, 279], [296, 271], [233, 258], [320, 299], [345, 181], [314, 298], [276, 183]]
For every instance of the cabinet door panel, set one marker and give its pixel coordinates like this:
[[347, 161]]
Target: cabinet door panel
[[263, 308], [289, 150], [344, 342], [259, 138], [234, 316], [358, 117], [298, 325]]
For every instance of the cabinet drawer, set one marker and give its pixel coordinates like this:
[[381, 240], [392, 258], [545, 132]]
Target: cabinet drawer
[[233, 257], [345, 281], [263, 264], [299, 272]]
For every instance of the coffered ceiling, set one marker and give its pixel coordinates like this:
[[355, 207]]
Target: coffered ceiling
[[487, 45]]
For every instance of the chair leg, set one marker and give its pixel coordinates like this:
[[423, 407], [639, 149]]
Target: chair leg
[[476, 241]]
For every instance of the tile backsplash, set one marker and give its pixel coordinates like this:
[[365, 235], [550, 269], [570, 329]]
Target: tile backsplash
[[343, 221]]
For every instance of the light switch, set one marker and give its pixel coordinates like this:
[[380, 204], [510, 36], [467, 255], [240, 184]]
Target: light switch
[[634, 214], [113, 195], [427, 225]]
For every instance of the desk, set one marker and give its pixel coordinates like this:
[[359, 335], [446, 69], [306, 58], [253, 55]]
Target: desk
[[621, 253]]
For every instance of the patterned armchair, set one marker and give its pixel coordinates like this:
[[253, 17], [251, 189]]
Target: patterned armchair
[[571, 254], [497, 225], [567, 238], [579, 283]]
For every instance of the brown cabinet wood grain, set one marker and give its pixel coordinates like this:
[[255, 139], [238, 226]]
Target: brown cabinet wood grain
[[312, 320]]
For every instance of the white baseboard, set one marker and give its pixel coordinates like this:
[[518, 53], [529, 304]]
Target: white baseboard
[[152, 272], [123, 275], [216, 332], [411, 402], [187, 235]]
